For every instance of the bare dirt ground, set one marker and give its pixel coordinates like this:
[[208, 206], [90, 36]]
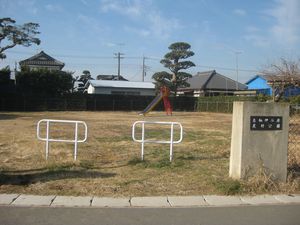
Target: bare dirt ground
[[109, 164]]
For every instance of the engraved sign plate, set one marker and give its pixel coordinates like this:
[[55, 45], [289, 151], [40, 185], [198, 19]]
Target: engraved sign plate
[[265, 123]]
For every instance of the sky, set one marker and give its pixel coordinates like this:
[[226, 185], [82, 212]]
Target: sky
[[236, 38]]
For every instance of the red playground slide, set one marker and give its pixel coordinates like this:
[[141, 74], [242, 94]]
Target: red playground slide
[[165, 91]]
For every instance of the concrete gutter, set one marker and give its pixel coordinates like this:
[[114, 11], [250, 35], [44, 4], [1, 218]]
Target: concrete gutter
[[151, 202]]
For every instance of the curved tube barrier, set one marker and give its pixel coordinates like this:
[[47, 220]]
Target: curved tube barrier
[[48, 139], [170, 141]]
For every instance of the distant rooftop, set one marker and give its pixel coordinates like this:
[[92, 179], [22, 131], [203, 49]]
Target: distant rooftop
[[275, 78], [110, 77], [42, 59], [213, 80]]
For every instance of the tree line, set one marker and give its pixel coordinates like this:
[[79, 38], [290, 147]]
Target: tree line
[[40, 82]]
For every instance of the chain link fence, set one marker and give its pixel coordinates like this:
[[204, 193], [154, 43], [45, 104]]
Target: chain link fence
[[219, 107], [294, 139]]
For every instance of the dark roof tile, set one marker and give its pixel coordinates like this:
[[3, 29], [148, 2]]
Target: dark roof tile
[[42, 59], [213, 81]]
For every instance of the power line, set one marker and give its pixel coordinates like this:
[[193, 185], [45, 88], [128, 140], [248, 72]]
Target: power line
[[74, 56], [127, 57], [62, 55], [12, 60], [80, 56], [227, 68], [134, 75]]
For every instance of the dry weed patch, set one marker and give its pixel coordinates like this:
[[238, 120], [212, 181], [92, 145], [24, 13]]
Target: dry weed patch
[[109, 164]]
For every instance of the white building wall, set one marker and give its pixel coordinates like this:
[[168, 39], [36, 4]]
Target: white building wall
[[121, 91], [91, 90]]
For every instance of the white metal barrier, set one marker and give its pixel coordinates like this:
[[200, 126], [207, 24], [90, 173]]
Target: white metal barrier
[[48, 139], [143, 140]]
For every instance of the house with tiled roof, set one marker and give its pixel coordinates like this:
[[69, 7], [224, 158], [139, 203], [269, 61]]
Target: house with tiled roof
[[42, 61], [211, 83]]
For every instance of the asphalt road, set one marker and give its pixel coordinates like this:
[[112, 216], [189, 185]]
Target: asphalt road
[[241, 215]]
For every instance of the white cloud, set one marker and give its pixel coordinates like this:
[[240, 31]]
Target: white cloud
[[285, 30], [287, 27], [257, 40], [161, 26], [54, 8], [91, 23], [84, 2], [252, 29], [255, 36], [129, 8], [111, 45], [239, 12], [156, 25], [141, 32], [142, 12], [10, 7]]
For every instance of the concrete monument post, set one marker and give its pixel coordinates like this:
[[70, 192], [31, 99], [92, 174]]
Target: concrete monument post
[[259, 139]]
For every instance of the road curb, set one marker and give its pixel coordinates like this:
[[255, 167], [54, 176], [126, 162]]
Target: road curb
[[152, 202]]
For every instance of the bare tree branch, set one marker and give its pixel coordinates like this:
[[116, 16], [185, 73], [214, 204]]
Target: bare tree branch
[[283, 75]]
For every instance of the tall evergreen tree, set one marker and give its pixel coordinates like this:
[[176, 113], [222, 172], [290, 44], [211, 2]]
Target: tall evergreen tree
[[175, 62]]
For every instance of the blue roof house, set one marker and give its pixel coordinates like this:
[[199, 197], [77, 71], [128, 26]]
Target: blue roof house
[[260, 84]]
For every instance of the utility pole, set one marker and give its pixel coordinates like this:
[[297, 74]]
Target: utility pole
[[144, 68], [118, 56], [237, 68], [144, 71]]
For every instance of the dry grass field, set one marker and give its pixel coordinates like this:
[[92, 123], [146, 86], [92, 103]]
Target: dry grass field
[[109, 164]]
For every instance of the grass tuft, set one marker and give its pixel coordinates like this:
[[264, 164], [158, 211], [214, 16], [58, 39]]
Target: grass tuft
[[158, 164], [134, 161], [229, 186]]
